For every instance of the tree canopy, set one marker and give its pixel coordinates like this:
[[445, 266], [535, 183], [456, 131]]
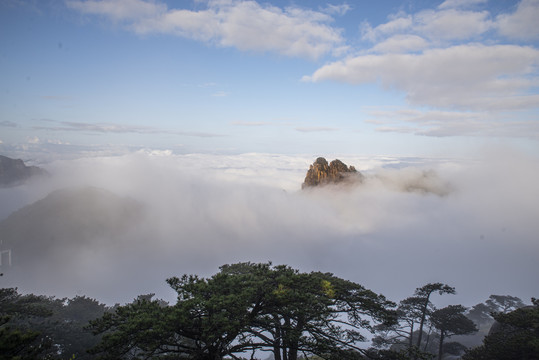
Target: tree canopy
[[515, 335], [33, 327], [451, 321], [248, 310], [244, 308]]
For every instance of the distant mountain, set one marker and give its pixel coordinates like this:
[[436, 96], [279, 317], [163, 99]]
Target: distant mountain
[[66, 220], [14, 172], [322, 173]]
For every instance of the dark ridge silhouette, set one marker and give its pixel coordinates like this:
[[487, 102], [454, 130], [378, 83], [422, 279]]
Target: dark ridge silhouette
[[14, 172]]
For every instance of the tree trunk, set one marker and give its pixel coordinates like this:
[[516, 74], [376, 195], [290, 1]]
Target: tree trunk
[[423, 316], [440, 348], [277, 339], [411, 340], [293, 354], [294, 339], [286, 338], [428, 338]]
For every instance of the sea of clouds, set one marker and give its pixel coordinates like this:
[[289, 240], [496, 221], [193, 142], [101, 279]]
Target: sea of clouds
[[471, 224]]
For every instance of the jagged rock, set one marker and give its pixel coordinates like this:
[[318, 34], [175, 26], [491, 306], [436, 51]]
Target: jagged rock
[[14, 172], [322, 173]]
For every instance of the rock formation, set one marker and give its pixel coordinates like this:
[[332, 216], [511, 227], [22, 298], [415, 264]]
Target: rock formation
[[322, 173], [14, 172]]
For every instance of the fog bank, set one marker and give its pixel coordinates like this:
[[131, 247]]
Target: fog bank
[[475, 228]]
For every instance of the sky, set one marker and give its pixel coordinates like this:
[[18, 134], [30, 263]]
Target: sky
[[210, 113], [428, 78]]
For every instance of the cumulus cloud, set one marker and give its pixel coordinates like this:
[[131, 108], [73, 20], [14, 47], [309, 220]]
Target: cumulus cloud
[[453, 59], [119, 10], [473, 76], [451, 24], [205, 210], [337, 9], [522, 24], [436, 25], [397, 24], [241, 24], [452, 21], [448, 4], [400, 44]]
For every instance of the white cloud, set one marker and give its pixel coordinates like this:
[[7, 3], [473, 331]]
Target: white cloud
[[398, 24], [242, 24], [205, 211], [452, 58], [522, 24], [451, 24], [337, 9], [436, 25], [119, 10], [467, 76], [451, 4], [453, 21], [400, 44]]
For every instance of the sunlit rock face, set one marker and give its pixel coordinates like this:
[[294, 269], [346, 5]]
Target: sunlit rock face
[[322, 173], [14, 172]]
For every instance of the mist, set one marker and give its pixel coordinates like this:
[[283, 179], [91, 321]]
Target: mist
[[470, 224]]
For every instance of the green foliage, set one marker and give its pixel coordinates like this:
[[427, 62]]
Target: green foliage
[[410, 353], [138, 327], [405, 337], [16, 343], [514, 336], [248, 307], [35, 327], [423, 294], [451, 321], [503, 303], [482, 313], [19, 341], [67, 326], [242, 308]]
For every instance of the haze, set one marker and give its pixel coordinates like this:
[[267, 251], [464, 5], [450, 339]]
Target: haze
[[203, 211], [208, 113]]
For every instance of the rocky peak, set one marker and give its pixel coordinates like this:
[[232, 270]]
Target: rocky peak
[[322, 173]]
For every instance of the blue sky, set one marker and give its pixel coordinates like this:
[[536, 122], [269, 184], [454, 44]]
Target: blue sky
[[236, 98], [291, 77]]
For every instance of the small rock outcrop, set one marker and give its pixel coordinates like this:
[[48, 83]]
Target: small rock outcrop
[[322, 173], [14, 172]]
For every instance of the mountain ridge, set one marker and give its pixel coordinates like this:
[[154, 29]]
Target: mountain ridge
[[14, 172]]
